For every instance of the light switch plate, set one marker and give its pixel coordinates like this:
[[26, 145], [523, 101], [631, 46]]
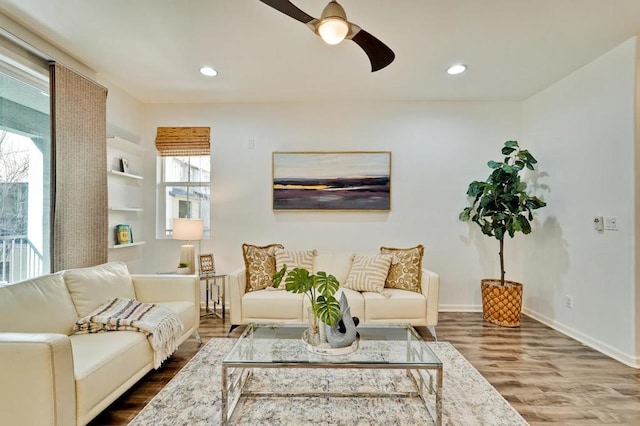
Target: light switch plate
[[610, 223]]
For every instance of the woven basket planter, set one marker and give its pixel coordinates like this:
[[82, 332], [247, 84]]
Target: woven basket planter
[[502, 305]]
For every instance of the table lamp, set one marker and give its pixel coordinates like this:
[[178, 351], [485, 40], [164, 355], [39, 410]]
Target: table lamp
[[188, 230]]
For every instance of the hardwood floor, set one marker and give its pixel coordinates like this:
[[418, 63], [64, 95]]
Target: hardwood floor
[[549, 378]]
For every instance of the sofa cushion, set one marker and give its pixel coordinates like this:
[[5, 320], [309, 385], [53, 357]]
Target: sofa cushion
[[103, 362], [336, 263], [368, 273], [265, 305], [393, 305], [406, 268], [293, 259], [185, 311], [37, 305], [260, 264], [93, 286]]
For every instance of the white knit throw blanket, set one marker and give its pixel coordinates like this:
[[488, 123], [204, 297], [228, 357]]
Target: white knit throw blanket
[[161, 326]]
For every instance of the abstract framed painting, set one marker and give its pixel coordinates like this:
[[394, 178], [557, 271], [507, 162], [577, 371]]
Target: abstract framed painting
[[332, 181]]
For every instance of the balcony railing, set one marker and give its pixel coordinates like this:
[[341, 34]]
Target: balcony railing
[[19, 259]]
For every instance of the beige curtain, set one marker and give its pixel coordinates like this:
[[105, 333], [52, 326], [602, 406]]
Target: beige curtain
[[78, 138]]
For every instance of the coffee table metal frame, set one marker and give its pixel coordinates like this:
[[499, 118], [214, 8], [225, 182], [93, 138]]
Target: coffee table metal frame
[[236, 374]]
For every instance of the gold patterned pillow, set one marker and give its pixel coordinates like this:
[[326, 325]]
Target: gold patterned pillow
[[368, 272], [260, 265], [406, 268]]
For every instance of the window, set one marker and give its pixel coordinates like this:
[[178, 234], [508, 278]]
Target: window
[[25, 169], [184, 191], [185, 177]]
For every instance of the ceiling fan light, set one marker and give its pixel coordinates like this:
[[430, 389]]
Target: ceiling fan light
[[333, 30]]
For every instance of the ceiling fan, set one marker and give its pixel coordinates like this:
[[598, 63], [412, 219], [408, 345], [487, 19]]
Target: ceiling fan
[[333, 27]]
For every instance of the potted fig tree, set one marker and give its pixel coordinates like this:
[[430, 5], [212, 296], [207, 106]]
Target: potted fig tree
[[501, 206]]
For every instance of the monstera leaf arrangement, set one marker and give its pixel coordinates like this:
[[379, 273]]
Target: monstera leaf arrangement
[[501, 205], [320, 288]]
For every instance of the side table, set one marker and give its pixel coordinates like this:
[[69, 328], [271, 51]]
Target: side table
[[219, 280]]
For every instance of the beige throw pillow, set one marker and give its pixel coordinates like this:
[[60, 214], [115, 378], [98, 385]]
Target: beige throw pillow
[[294, 259], [260, 265], [406, 268], [368, 273], [91, 287]]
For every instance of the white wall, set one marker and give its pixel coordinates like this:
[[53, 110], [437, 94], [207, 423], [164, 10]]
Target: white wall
[[437, 149], [123, 110], [582, 131]]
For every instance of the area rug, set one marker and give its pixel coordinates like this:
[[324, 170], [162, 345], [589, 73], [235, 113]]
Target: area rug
[[193, 396]]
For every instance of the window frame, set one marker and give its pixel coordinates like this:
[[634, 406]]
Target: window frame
[[162, 232], [33, 256]]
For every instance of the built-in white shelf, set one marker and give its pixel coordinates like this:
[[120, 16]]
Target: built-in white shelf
[[127, 175], [119, 246], [125, 188], [124, 145], [125, 209]]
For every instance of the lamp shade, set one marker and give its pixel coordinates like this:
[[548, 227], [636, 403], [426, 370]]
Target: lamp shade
[[187, 229]]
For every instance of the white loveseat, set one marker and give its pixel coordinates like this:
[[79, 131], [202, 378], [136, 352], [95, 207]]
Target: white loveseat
[[48, 376], [389, 306]]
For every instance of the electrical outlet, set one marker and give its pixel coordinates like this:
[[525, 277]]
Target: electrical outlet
[[569, 301], [251, 144]]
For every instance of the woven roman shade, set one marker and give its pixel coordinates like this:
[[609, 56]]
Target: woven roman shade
[[183, 141], [79, 181]]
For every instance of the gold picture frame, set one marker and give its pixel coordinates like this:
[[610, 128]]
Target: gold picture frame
[[331, 181], [207, 264]]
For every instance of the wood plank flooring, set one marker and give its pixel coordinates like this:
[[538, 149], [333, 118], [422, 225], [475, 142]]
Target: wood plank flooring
[[549, 378]]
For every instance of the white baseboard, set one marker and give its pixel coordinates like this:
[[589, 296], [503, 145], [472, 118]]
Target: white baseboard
[[460, 308], [630, 360]]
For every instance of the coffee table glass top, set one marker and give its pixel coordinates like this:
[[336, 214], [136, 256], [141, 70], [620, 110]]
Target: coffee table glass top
[[391, 346]]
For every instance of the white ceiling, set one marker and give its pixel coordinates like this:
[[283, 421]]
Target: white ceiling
[[154, 48]]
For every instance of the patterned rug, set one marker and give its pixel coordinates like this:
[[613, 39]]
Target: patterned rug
[[193, 396]]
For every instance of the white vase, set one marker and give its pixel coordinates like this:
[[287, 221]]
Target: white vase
[[323, 331], [312, 335]]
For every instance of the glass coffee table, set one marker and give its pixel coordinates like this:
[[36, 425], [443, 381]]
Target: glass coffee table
[[380, 347]]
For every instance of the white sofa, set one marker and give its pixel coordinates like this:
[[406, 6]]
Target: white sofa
[[390, 306], [48, 376]]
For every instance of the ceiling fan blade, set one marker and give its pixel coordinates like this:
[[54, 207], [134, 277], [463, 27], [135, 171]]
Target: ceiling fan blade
[[289, 9], [379, 53]]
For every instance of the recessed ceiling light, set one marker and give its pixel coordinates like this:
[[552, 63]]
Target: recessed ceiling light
[[456, 69], [208, 71]]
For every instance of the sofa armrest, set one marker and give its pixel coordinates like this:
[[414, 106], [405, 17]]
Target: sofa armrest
[[237, 288], [37, 385], [431, 290]]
